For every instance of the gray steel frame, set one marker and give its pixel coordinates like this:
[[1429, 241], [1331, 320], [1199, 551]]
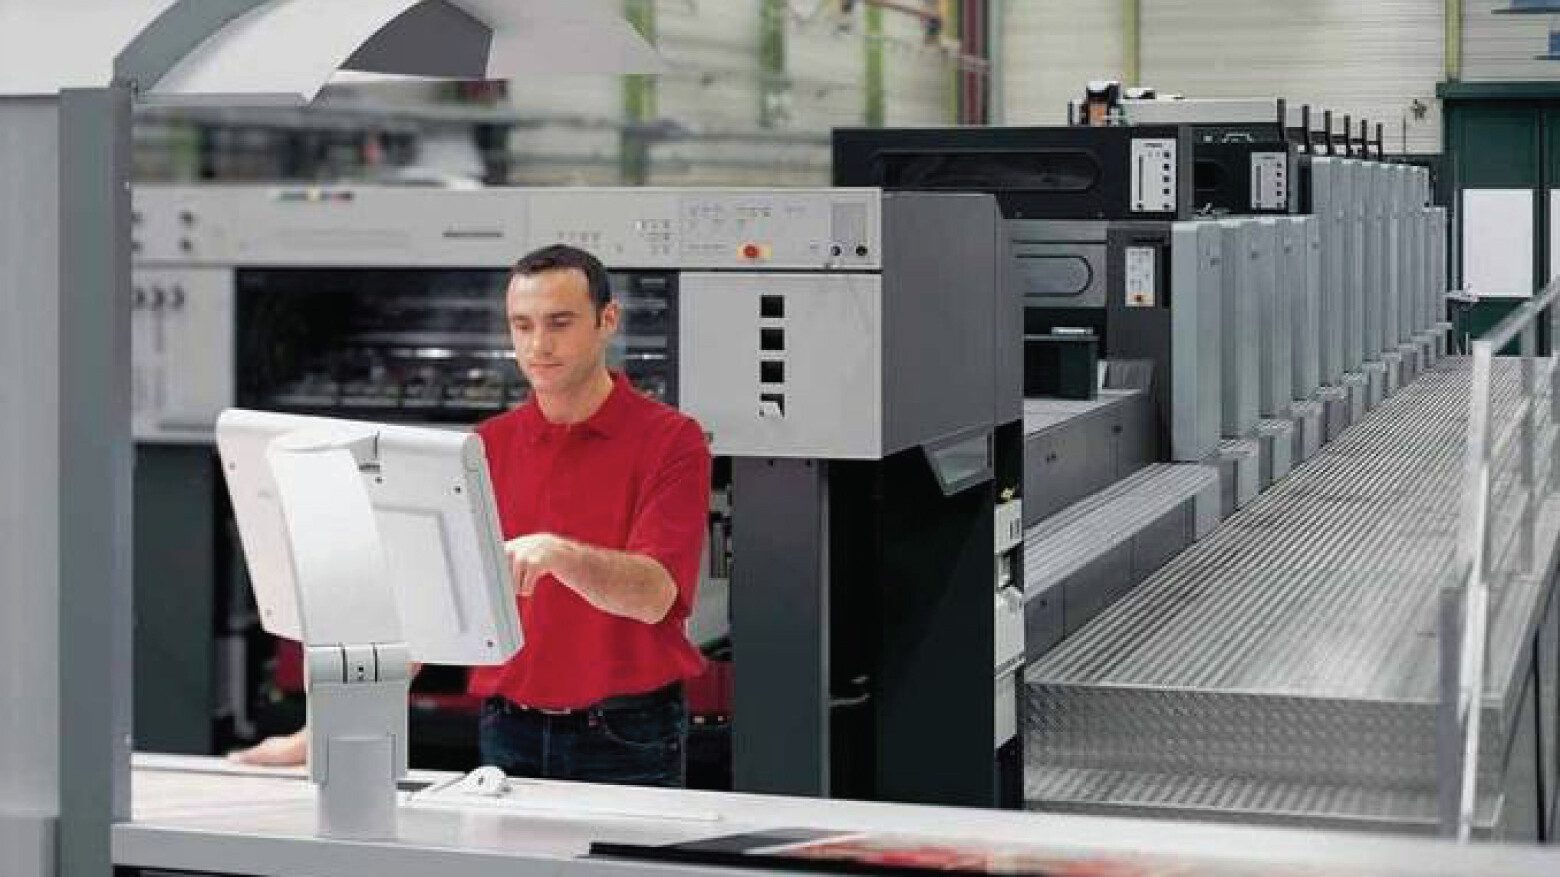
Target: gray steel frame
[[95, 474], [29, 465], [68, 403]]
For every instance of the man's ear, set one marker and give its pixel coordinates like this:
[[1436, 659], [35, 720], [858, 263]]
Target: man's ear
[[609, 317]]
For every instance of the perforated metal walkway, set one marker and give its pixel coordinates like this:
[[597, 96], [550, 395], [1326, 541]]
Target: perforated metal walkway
[[1285, 668]]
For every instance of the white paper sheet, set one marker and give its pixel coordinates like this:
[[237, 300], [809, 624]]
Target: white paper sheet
[[1497, 242]]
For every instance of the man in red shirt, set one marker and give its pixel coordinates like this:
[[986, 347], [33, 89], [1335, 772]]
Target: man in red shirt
[[603, 494]]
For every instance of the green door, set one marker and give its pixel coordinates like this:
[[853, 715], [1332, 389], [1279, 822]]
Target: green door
[[1503, 156]]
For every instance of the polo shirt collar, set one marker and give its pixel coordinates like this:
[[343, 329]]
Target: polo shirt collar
[[605, 422]]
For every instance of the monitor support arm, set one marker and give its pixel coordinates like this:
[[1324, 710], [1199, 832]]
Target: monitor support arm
[[358, 672], [357, 736]]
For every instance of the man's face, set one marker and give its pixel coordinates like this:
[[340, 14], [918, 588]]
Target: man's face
[[560, 339]]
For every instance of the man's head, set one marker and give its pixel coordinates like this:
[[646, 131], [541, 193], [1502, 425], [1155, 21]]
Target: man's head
[[561, 317]]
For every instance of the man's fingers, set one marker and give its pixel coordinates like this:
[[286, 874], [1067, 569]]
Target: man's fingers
[[527, 562], [519, 569], [532, 576]]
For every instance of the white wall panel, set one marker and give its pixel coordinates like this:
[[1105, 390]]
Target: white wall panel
[[827, 69], [1503, 47], [917, 77], [712, 91], [711, 50], [1370, 60], [1050, 49], [715, 89]]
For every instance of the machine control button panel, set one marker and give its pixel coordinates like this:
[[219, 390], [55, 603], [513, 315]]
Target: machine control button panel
[[260, 226], [1153, 175], [1141, 271], [1269, 181]]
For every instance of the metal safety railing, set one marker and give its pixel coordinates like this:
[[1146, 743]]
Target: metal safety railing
[[1510, 470]]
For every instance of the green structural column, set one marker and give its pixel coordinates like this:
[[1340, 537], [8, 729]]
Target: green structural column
[[874, 111], [772, 81], [1131, 43], [1454, 46], [638, 102]]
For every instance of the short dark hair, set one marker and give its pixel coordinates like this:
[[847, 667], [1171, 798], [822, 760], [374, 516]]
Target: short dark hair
[[558, 257]]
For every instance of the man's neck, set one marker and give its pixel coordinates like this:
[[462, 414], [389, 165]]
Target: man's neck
[[578, 404]]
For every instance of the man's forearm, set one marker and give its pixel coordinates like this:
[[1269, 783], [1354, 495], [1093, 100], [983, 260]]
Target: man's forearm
[[630, 585]]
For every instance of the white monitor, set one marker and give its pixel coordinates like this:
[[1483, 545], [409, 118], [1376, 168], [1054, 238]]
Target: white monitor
[[450, 600]]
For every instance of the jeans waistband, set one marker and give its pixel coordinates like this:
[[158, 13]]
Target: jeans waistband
[[668, 692]]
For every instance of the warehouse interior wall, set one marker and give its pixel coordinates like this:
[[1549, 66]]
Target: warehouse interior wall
[[750, 94], [1503, 48], [1379, 60]]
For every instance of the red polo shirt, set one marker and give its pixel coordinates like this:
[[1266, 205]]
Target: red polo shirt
[[633, 477]]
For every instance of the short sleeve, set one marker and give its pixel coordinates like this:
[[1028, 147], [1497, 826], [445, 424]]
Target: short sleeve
[[671, 517]]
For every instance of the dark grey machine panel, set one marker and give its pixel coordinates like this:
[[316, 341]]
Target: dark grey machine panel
[[1064, 608], [934, 343], [1061, 264], [1073, 449]]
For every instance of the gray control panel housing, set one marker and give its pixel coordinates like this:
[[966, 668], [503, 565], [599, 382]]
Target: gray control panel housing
[[1241, 362], [1197, 282], [1303, 249], [256, 226], [1275, 318], [898, 316], [1327, 193], [1352, 199]]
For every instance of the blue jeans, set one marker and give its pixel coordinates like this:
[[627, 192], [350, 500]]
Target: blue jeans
[[642, 745]]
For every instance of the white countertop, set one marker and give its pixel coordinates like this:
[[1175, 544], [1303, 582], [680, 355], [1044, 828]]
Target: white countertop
[[203, 814]]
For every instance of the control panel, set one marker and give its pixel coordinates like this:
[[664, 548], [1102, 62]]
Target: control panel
[[1153, 175], [387, 227], [761, 312], [1269, 181], [182, 362], [1141, 277]]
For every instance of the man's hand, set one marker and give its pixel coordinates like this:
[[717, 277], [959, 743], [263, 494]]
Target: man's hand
[[286, 750], [533, 556], [630, 585]]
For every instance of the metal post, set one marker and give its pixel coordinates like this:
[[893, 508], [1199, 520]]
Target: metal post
[[1448, 725], [95, 478], [1530, 495]]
